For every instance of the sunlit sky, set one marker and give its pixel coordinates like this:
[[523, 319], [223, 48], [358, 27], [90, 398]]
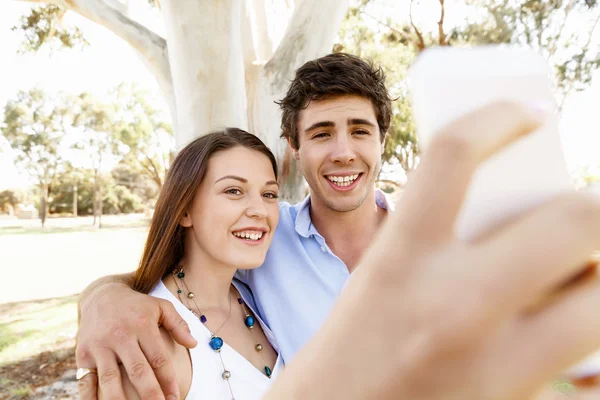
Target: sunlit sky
[[110, 61]]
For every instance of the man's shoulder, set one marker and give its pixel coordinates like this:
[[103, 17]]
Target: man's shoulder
[[288, 212]]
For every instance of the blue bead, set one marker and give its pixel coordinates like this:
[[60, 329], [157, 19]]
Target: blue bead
[[240, 301], [268, 371], [202, 319], [216, 343], [249, 321]]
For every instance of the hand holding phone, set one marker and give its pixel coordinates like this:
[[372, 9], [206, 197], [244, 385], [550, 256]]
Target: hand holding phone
[[446, 83]]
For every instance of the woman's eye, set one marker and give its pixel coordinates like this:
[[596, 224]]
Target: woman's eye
[[233, 191], [271, 195]]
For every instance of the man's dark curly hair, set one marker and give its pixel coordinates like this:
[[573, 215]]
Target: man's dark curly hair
[[333, 75]]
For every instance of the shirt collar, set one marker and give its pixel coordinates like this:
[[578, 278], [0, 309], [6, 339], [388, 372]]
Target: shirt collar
[[303, 223]]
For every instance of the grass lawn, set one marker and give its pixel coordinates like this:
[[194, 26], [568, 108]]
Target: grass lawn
[[37, 339], [43, 270]]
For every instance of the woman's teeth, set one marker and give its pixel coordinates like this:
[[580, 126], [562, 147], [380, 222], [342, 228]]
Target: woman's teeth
[[343, 180], [249, 235]]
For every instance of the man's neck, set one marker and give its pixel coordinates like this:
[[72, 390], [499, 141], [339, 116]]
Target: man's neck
[[348, 234]]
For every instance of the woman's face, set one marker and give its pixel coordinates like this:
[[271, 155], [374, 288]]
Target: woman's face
[[234, 212]]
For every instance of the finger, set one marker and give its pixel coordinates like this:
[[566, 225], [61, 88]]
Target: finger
[[109, 376], [171, 321], [558, 336], [156, 353], [139, 371], [88, 387], [586, 394], [549, 392], [541, 250], [592, 393], [433, 197], [589, 271]]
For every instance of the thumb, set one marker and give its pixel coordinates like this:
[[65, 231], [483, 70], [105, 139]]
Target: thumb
[[170, 320]]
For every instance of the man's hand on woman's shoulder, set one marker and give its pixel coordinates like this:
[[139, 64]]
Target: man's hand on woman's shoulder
[[121, 326]]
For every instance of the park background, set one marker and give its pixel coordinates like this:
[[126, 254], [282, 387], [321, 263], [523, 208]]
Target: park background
[[97, 95]]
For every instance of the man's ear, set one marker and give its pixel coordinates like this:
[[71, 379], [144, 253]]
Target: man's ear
[[293, 150], [186, 220]]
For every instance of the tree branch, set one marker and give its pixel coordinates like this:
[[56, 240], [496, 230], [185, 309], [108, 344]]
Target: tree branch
[[247, 39], [568, 8], [112, 15], [310, 34], [398, 31], [442, 35], [52, 30], [263, 44], [421, 42], [583, 51], [152, 169]]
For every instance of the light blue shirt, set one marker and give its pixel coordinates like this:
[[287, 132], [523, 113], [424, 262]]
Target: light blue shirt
[[300, 279]]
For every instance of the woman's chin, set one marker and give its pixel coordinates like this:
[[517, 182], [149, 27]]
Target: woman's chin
[[246, 262]]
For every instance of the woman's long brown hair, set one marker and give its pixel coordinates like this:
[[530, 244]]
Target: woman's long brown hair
[[165, 244]]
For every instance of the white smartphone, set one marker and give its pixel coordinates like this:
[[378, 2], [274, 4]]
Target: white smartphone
[[445, 83]]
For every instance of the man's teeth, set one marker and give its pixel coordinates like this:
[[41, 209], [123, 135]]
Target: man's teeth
[[343, 180], [249, 235]]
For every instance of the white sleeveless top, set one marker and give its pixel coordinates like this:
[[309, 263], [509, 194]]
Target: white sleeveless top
[[247, 382]]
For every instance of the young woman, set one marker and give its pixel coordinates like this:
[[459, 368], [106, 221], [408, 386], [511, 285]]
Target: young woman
[[216, 213]]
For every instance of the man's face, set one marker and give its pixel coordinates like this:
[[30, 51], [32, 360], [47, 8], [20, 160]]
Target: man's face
[[340, 151]]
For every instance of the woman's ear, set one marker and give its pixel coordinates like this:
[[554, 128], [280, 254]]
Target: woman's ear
[[186, 220]]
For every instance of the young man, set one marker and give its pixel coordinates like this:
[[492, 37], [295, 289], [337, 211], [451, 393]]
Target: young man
[[335, 118]]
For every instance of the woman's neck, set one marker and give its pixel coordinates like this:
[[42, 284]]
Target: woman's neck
[[210, 283]]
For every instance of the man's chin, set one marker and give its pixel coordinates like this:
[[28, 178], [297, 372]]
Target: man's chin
[[344, 205]]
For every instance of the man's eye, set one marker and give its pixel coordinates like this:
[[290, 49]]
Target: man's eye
[[233, 191], [362, 132], [320, 135]]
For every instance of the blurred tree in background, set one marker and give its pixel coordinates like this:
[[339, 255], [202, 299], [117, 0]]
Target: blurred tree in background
[[122, 129], [34, 125], [390, 32]]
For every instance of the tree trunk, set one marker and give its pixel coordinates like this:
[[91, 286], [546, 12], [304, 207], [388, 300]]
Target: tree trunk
[[95, 196], [44, 206], [206, 58], [100, 206], [75, 201], [217, 67]]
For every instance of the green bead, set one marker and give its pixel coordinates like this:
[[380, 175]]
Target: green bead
[[180, 275], [179, 291], [268, 371]]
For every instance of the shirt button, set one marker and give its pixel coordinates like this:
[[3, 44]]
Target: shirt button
[[323, 249]]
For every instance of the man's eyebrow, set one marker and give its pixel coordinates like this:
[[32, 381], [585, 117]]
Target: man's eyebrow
[[321, 124], [360, 121], [237, 178]]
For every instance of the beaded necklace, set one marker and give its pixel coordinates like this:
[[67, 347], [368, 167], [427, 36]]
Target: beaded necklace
[[216, 342]]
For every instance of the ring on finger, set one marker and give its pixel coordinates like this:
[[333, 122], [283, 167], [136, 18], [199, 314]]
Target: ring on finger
[[82, 372]]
